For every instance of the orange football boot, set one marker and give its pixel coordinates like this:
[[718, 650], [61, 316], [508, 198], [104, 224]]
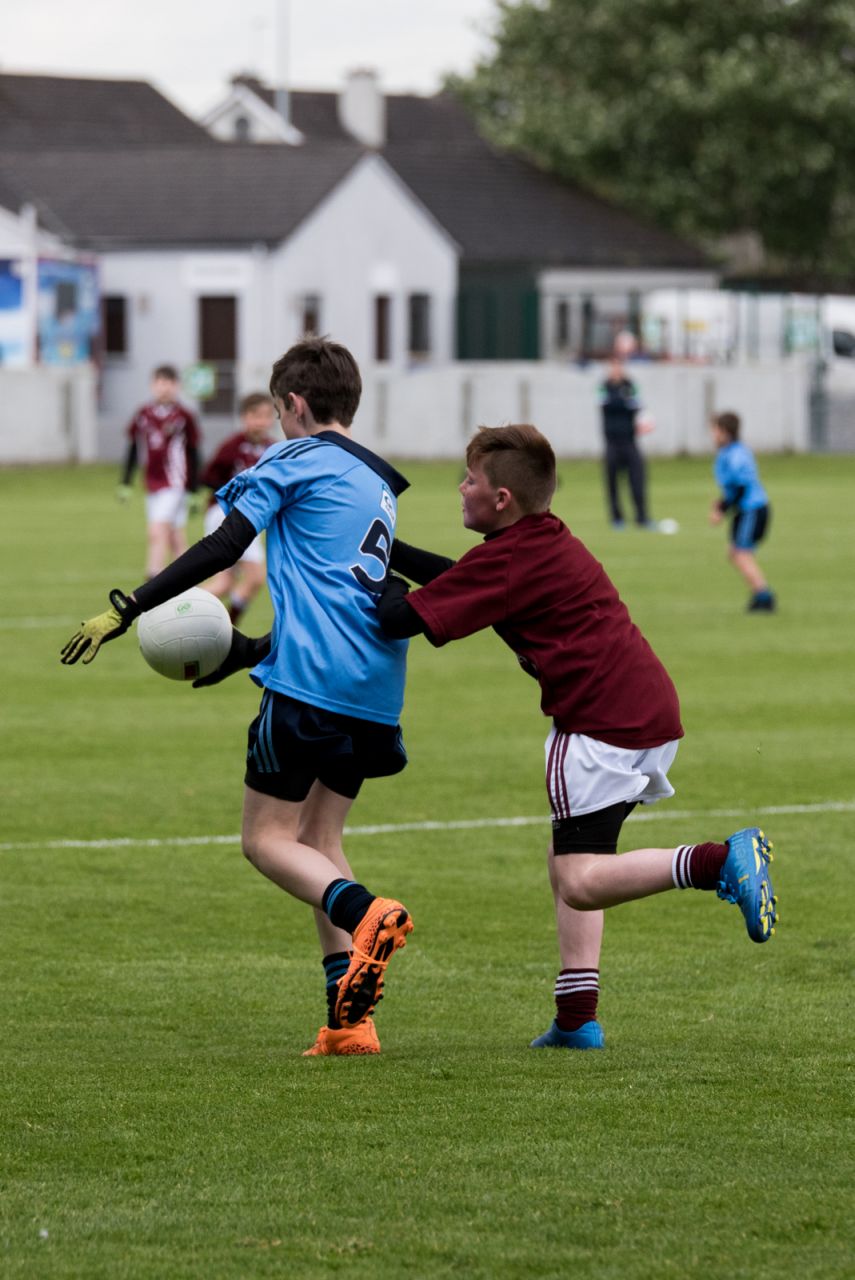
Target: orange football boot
[[345, 1041], [379, 934]]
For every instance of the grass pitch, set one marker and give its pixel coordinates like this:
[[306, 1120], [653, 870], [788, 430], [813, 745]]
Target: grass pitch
[[157, 1118]]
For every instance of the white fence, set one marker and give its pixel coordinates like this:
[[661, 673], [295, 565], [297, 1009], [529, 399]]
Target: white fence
[[49, 415], [432, 413]]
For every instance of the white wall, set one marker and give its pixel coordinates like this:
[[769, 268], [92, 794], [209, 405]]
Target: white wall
[[369, 236], [48, 415], [432, 413]]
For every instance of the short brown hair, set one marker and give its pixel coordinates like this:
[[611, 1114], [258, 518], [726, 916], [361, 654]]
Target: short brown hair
[[517, 458], [252, 401], [729, 424], [166, 371], [325, 374]]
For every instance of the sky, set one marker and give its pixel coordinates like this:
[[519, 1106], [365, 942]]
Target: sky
[[189, 50]]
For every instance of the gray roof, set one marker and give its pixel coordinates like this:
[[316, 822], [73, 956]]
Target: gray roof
[[57, 111], [498, 207], [111, 163], [177, 195]]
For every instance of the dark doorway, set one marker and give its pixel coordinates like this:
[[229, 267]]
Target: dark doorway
[[218, 347]]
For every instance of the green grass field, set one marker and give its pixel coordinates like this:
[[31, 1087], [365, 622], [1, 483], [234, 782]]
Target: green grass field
[[157, 1117]]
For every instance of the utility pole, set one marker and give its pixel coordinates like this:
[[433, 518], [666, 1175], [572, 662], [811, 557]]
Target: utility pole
[[283, 40]]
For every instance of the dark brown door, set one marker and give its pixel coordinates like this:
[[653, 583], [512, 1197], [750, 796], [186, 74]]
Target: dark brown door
[[218, 346]]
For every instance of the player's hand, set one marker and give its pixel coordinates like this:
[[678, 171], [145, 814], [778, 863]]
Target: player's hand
[[123, 493], [114, 622], [194, 503], [245, 652], [395, 587]]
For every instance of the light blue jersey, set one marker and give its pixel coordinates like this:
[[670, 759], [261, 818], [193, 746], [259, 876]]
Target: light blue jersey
[[736, 475], [329, 507]]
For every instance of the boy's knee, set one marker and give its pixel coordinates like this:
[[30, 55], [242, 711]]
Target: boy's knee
[[573, 874]]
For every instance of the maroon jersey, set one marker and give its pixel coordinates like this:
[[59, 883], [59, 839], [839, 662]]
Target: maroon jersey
[[234, 455], [554, 604], [163, 433]]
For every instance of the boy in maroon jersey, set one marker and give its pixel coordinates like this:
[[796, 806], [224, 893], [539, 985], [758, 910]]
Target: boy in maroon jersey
[[615, 714], [240, 584], [167, 436]]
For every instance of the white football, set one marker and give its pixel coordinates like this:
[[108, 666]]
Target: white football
[[187, 637], [668, 525]]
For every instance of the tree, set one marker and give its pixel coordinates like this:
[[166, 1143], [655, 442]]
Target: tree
[[712, 117]]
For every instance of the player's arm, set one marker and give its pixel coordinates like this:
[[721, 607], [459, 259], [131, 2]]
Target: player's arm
[[398, 618], [128, 471], [219, 550], [416, 564], [245, 652]]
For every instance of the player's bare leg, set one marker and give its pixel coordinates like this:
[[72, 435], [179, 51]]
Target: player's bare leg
[[158, 546], [592, 881], [737, 870], [177, 540], [746, 564], [378, 927], [580, 936], [321, 827], [221, 583], [271, 841]]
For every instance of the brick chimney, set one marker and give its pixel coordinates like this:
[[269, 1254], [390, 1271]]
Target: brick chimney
[[362, 108]]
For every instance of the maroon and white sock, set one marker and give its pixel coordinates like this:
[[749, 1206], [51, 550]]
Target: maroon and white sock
[[576, 995], [698, 866]]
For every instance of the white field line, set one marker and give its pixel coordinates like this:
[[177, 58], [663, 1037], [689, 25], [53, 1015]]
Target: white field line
[[37, 624], [393, 828]]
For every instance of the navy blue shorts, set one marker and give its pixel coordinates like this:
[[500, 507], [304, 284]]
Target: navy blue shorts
[[749, 527], [291, 745]]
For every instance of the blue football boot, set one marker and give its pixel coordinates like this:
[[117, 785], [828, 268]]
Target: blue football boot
[[588, 1036], [745, 880]]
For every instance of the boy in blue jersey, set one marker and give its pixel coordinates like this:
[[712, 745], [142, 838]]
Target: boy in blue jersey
[[743, 494], [332, 680]]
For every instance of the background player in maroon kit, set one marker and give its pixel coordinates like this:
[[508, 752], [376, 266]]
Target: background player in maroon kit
[[164, 438], [240, 585], [615, 714]]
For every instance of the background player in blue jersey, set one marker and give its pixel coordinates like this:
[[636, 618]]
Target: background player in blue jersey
[[743, 494], [333, 681]]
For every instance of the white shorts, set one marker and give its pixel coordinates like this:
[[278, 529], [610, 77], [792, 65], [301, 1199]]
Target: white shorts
[[167, 506], [584, 775], [215, 516]]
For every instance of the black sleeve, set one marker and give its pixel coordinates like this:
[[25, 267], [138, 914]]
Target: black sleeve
[[398, 618], [725, 504], [130, 463], [417, 565], [192, 468], [219, 550]]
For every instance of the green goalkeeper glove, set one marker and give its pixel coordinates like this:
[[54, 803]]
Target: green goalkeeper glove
[[245, 652], [115, 621]]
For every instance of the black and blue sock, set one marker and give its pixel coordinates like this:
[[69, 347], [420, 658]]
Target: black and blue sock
[[346, 902], [335, 967]]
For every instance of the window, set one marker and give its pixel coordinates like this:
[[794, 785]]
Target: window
[[114, 325], [311, 315], [562, 324], [382, 327], [243, 129], [419, 332]]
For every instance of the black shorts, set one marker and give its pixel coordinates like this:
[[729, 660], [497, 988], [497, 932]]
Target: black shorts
[[749, 527], [291, 745], [591, 832]]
